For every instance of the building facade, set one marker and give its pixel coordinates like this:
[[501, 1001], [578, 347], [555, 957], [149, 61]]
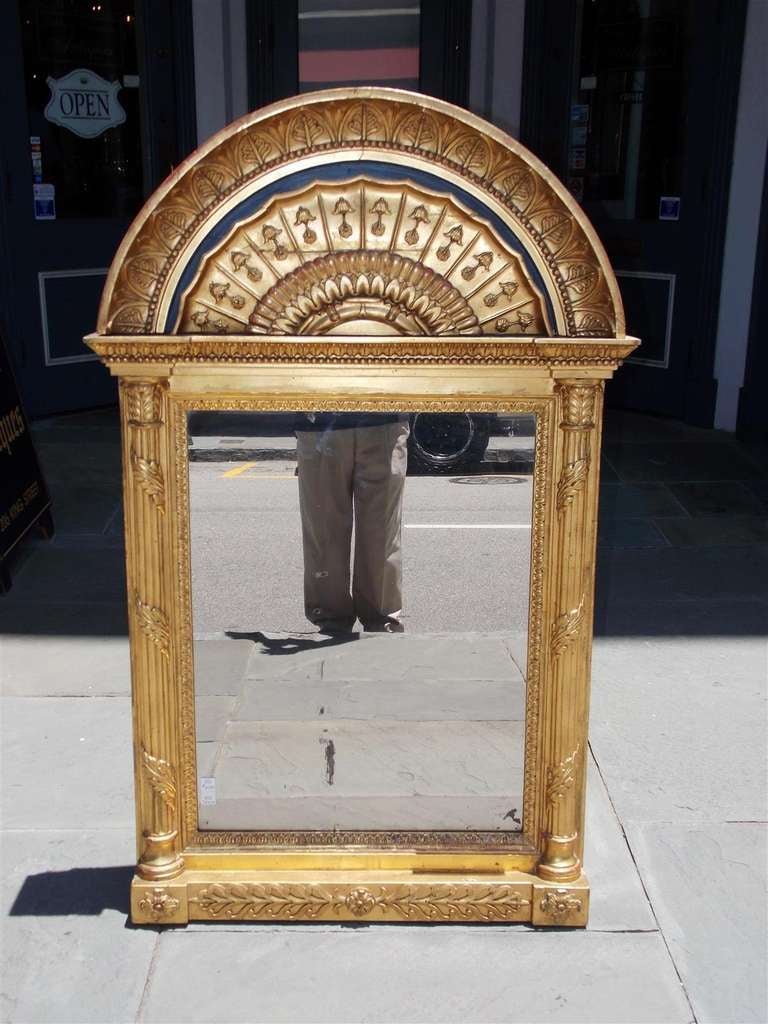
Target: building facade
[[653, 112]]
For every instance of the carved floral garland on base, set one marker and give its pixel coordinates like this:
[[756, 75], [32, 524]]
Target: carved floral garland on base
[[408, 903]]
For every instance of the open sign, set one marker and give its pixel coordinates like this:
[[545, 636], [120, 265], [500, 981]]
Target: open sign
[[85, 103]]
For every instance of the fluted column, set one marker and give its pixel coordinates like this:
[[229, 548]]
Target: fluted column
[[570, 636], [145, 475]]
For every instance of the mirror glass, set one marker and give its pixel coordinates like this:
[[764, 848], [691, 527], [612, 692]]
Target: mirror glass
[[360, 593]]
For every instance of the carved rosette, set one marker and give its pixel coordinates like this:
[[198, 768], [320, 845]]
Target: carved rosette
[[306, 902], [158, 904], [570, 631], [149, 587], [560, 906]]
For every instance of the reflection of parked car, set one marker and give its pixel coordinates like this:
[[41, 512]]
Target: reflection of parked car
[[445, 442]]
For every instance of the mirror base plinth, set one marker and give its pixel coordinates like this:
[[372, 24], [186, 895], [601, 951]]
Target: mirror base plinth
[[159, 903], [371, 896]]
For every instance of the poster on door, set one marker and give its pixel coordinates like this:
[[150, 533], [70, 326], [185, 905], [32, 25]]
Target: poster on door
[[23, 494]]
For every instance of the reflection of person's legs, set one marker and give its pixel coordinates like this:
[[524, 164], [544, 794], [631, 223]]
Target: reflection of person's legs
[[325, 461], [381, 458]]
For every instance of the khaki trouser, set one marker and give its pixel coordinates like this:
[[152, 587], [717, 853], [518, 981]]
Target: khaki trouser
[[360, 468]]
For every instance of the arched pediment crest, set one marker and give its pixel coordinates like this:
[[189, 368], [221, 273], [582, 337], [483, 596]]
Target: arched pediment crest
[[299, 219]]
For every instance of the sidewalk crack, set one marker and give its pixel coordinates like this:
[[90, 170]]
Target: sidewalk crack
[[150, 974], [683, 988]]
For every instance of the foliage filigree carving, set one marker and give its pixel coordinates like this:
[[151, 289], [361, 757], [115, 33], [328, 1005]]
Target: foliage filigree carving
[[401, 284], [566, 628], [579, 405], [154, 624], [150, 479], [571, 482], [436, 137], [406, 903], [161, 777], [562, 776], [144, 404]]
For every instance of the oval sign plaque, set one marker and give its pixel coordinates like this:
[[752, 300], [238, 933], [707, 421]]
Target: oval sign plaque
[[85, 103]]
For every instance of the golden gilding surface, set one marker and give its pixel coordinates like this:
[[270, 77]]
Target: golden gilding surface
[[415, 130], [362, 295]]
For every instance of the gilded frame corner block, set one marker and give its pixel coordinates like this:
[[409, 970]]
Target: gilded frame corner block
[[256, 330]]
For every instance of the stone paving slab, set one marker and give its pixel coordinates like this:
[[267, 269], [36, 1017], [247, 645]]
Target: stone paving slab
[[683, 619], [621, 501], [411, 973], [716, 498], [409, 656], [38, 666], [617, 900], [399, 700], [721, 572], [713, 531], [630, 533], [95, 463], [707, 884], [34, 619], [690, 460], [87, 509], [220, 664], [672, 733], [75, 574], [68, 956], [369, 813], [368, 759], [67, 762], [212, 715], [627, 427]]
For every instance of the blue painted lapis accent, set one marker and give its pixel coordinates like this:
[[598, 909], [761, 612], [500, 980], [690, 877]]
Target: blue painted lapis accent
[[334, 174]]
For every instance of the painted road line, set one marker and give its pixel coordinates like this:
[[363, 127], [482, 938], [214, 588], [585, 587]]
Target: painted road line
[[467, 526], [239, 469]]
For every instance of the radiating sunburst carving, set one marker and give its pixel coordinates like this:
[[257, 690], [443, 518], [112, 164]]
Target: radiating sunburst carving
[[364, 257]]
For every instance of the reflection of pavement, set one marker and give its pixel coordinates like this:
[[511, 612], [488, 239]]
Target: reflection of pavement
[[318, 732], [466, 550]]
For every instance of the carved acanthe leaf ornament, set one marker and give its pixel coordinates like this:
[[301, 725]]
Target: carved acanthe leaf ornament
[[571, 482], [405, 903], [421, 132], [150, 479], [566, 628], [257, 901], [578, 405], [161, 777], [153, 622], [144, 402], [562, 777]]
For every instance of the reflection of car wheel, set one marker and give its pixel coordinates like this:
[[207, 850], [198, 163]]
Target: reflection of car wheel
[[444, 442]]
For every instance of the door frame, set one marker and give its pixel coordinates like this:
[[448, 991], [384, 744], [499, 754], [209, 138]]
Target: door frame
[[168, 134], [552, 34], [272, 31]]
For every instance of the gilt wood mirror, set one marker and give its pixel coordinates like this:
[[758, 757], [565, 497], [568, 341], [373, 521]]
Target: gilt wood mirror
[[362, 338]]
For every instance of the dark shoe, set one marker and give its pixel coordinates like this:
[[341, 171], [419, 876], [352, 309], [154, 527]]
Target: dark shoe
[[335, 627]]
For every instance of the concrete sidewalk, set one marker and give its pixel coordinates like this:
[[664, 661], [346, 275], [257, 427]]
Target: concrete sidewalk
[[677, 802]]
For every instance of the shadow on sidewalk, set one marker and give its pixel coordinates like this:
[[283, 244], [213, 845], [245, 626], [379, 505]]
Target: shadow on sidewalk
[[292, 644], [84, 892]]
